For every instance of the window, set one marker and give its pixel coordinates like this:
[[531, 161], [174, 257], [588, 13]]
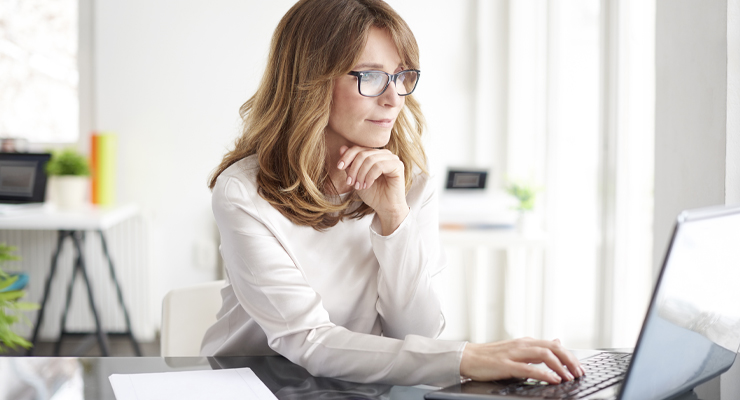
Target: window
[[38, 70], [581, 106]]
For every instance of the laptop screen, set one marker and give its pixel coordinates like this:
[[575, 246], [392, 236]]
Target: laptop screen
[[692, 329], [22, 177]]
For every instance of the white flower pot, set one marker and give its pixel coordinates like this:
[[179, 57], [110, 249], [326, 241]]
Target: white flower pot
[[69, 192], [527, 223]]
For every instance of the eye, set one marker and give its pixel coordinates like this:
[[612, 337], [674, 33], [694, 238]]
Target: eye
[[372, 78]]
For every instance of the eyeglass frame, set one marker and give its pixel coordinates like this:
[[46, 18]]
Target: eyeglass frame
[[391, 78]]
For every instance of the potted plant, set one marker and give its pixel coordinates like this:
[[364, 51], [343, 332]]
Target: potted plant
[[525, 196], [68, 171], [10, 306]]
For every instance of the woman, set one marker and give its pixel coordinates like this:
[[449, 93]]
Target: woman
[[328, 219]]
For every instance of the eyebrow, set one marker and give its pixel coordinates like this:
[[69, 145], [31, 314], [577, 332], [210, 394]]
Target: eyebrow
[[372, 65]]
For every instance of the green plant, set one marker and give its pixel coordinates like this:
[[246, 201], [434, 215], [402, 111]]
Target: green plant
[[524, 193], [67, 162], [10, 307]]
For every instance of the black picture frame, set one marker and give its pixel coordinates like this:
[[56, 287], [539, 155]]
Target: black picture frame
[[463, 179], [23, 177]]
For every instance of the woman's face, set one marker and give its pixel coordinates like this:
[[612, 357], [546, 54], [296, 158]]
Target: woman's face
[[360, 120]]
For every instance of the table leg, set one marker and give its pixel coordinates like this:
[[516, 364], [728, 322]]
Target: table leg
[[47, 289], [102, 340], [524, 292], [63, 323], [516, 293], [478, 322], [129, 331]]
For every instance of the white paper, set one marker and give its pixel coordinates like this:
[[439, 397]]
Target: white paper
[[221, 384]]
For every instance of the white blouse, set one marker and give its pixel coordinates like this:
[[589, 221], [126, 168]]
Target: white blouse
[[345, 303]]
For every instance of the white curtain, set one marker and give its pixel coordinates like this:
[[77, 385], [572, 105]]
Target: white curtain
[[564, 99]]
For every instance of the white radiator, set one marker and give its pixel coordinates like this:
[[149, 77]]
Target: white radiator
[[128, 244]]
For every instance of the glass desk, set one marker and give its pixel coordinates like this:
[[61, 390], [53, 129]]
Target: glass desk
[[87, 378]]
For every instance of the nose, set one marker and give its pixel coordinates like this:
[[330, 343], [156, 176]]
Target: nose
[[390, 97]]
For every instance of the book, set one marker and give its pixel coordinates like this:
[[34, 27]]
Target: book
[[103, 161]]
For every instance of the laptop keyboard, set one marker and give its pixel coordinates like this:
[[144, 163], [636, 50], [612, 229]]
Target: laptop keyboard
[[602, 371]]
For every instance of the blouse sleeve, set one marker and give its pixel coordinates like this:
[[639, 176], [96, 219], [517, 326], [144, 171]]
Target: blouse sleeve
[[409, 258], [276, 294]]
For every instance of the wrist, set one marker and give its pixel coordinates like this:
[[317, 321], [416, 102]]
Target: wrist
[[391, 220], [465, 361]]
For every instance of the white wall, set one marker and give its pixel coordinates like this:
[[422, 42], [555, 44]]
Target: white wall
[[169, 77], [692, 157], [732, 179], [697, 136]]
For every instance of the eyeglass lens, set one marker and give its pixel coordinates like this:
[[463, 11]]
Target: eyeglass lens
[[373, 83]]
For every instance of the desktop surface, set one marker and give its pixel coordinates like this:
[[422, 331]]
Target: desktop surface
[[89, 376]]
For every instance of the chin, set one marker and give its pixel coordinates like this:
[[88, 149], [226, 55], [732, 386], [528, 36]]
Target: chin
[[377, 142]]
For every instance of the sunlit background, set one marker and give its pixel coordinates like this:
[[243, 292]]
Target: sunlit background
[[559, 94]]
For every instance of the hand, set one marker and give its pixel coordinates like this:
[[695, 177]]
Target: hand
[[512, 358], [378, 177]]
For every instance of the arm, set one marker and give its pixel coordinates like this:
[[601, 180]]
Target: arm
[[408, 259], [274, 292], [405, 239], [408, 251]]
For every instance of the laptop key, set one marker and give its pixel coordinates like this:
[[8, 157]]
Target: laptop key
[[602, 371]]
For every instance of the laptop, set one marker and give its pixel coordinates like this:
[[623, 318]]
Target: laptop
[[690, 335]]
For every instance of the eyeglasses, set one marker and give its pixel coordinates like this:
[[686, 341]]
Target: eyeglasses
[[374, 83]]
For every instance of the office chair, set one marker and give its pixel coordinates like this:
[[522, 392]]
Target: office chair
[[186, 315]]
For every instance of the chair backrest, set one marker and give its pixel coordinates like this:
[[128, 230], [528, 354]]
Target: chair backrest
[[186, 315]]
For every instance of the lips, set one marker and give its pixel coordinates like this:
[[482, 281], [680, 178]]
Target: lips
[[385, 123]]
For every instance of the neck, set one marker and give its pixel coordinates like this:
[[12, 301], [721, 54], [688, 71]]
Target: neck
[[338, 177]]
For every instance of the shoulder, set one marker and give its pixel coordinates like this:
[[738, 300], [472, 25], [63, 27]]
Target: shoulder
[[236, 187], [238, 180], [243, 170]]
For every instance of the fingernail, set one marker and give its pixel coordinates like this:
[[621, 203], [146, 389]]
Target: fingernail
[[583, 371], [341, 165], [357, 186], [569, 375], [556, 377], [364, 185], [349, 180]]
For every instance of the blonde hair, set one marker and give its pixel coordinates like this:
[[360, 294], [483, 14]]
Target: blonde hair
[[284, 121]]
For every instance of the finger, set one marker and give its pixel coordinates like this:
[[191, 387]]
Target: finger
[[346, 161], [378, 162], [354, 166], [522, 370], [563, 355], [372, 175], [362, 162], [342, 162], [537, 354], [567, 358], [369, 161]]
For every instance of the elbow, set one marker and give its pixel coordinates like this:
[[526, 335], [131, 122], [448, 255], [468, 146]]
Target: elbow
[[302, 351]]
